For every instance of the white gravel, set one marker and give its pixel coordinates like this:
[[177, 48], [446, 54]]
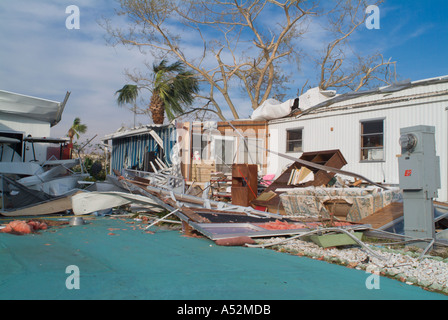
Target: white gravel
[[403, 265]]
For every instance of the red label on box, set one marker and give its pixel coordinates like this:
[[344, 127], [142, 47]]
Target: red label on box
[[408, 173]]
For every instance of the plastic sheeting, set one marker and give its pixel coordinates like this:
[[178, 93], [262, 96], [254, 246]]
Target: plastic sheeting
[[273, 109]]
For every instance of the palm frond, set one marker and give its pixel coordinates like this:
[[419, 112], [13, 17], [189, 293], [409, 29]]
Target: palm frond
[[76, 129], [127, 94]]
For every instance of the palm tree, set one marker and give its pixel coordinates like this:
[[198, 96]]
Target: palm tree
[[77, 128], [128, 94], [172, 87]]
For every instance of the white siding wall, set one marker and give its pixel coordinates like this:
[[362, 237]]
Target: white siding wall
[[345, 136], [28, 127]]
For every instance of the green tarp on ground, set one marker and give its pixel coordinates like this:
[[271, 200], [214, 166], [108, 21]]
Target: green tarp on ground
[[117, 262]]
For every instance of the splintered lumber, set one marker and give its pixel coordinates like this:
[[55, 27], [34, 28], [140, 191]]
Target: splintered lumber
[[193, 215], [384, 216], [180, 197]]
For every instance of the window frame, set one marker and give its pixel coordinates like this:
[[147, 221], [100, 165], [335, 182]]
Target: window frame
[[289, 141], [362, 135]]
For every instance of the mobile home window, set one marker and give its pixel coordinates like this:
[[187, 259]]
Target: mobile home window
[[294, 140], [372, 140], [223, 152]]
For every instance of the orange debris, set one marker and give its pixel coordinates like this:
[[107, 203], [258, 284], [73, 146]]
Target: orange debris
[[280, 225]]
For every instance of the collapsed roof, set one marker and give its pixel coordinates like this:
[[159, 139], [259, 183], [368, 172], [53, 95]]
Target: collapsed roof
[[316, 100], [382, 90]]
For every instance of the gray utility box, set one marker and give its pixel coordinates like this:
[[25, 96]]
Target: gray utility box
[[419, 173], [419, 166]]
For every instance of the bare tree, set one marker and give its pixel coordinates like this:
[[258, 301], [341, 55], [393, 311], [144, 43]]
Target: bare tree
[[337, 70], [249, 45]]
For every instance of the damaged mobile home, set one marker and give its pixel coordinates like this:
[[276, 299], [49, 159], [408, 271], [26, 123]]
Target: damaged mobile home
[[365, 127], [322, 154]]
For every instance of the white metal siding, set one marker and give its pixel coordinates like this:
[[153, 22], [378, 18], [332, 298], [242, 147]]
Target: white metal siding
[[31, 127]]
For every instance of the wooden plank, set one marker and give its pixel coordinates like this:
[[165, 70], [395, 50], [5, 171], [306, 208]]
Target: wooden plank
[[441, 203], [384, 216], [202, 170], [193, 215]]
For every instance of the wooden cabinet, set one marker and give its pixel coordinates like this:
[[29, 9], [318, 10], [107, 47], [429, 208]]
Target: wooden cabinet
[[244, 184]]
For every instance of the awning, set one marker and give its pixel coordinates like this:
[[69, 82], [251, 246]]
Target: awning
[[46, 140], [32, 107], [148, 129]]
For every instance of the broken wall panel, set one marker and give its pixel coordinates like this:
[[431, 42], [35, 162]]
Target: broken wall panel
[[329, 158]]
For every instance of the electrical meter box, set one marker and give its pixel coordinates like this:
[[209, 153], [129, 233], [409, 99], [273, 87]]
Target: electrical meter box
[[419, 166], [419, 169]]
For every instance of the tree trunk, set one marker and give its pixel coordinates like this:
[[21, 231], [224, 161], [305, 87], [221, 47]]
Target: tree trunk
[[71, 134], [157, 109]]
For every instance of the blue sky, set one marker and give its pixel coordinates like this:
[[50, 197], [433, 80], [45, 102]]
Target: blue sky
[[40, 57], [415, 34]]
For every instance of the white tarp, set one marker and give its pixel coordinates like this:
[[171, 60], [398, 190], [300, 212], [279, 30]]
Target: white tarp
[[313, 97], [273, 109]]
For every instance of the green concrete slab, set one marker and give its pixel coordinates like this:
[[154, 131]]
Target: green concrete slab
[[132, 264]]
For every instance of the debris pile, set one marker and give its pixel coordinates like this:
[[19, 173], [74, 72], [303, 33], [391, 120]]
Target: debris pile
[[33, 189]]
